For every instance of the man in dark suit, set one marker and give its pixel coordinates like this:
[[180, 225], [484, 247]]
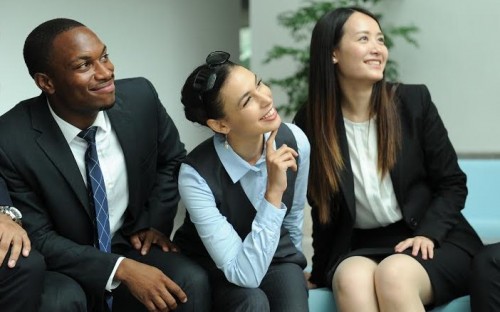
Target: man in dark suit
[[21, 273], [25, 285], [45, 161]]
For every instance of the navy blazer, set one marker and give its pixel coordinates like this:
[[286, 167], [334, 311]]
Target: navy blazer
[[429, 185], [46, 184]]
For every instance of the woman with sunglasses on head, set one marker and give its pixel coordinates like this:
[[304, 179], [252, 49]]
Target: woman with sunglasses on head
[[244, 190], [385, 187]]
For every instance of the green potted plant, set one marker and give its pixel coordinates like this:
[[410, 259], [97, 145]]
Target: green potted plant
[[300, 24]]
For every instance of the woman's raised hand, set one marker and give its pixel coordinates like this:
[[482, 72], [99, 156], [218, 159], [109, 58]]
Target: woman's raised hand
[[278, 162]]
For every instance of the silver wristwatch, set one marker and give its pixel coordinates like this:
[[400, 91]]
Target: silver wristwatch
[[12, 212]]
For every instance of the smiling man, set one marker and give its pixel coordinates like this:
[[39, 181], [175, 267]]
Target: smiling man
[[90, 165]]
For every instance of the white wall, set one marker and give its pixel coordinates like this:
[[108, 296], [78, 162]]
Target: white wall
[[162, 40], [265, 33], [458, 59]]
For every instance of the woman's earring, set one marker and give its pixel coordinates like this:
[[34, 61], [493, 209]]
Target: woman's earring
[[334, 60], [226, 144]]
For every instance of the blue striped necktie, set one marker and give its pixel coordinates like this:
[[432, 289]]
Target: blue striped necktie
[[97, 195], [97, 189]]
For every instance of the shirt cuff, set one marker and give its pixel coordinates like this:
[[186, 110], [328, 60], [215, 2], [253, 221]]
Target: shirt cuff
[[269, 216], [112, 283]]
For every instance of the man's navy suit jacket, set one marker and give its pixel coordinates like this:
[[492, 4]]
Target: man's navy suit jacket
[[45, 182]]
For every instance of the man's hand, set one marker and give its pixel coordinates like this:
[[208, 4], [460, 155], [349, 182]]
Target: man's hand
[[150, 286], [13, 236], [144, 239]]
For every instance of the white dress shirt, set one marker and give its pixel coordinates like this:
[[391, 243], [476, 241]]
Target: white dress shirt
[[376, 204], [113, 167]]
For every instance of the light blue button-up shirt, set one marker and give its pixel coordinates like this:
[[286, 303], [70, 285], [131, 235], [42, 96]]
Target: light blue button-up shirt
[[245, 263]]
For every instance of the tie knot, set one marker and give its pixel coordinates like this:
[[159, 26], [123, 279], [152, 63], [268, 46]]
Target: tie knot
[[88, 134]]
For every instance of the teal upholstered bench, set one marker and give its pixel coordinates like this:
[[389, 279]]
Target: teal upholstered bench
[[481, 206], [321, 300], [483, 180]]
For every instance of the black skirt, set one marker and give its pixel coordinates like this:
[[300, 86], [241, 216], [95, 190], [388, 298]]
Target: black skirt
[[448, 270]]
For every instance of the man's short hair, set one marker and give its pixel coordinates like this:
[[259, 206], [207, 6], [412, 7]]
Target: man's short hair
[[38, 45]]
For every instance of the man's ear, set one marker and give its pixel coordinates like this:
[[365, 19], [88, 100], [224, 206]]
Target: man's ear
[[44, 82], [219, 126]]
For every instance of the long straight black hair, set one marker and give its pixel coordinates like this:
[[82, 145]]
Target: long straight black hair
[[323, 111]]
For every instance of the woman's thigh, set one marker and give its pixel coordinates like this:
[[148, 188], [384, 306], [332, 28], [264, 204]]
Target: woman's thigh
[[233, 298], [448, 271], [283, 289], [286, 288]]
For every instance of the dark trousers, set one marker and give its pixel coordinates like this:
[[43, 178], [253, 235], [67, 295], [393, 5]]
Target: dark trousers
[[283, 289], [187, 274], [21, 286], [485, 282], [29, 287], [61, 293]]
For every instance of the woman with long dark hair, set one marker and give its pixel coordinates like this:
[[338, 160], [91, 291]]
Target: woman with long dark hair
[[385, 187]]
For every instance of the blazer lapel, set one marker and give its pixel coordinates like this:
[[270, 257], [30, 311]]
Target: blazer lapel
[[53, 143]]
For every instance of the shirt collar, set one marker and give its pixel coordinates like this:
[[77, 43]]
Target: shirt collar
[[236, 166], [70, 132]]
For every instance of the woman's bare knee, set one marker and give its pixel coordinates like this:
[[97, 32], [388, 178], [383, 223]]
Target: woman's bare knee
[[353, 285], [353, 271], [401, 278]]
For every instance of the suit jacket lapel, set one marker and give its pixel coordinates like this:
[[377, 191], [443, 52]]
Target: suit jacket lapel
[[53, 143]]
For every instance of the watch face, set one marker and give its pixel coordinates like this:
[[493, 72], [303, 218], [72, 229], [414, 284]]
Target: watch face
[[17, 214]]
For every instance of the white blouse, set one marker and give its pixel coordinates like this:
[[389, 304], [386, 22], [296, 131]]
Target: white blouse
[[376, 204]]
